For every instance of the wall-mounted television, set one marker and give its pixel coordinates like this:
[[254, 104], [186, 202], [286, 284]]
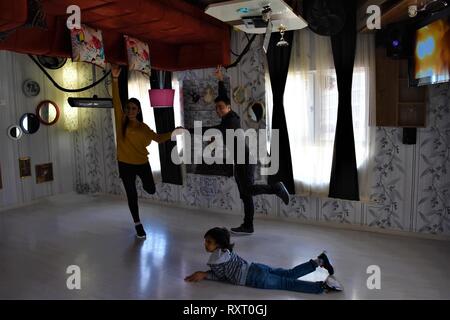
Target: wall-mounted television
[[430, 60]]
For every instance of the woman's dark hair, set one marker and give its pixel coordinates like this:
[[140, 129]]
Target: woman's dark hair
[[221, 236], [139, 117]]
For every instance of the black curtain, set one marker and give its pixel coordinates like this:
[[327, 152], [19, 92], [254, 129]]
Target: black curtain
[[165, 122], [123, 86], [344, 175], [278, 62]]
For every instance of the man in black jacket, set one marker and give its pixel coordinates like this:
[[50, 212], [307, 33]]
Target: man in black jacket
[[243, 173]]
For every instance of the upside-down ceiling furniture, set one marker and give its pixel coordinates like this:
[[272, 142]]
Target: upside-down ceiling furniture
[[180, 35]]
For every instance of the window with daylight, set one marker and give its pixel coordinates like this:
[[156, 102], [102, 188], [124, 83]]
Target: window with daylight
[[311, 104]]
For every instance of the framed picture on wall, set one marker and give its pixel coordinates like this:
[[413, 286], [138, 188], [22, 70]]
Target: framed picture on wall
[[25, 167], [198, 99], [44, 172]]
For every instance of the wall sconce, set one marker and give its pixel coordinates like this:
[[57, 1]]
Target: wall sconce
[[161, 98], [94, 102]]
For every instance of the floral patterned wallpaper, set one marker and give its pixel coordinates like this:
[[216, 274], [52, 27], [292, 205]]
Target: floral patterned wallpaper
[[411, 183], [388, 173], [94, 140], [433, 200]]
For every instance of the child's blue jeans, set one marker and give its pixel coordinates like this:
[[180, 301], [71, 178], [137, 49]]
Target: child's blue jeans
[[265, 277]]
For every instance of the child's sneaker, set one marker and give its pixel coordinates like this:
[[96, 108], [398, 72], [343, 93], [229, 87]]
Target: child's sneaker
[[324, 262], [140, 232]]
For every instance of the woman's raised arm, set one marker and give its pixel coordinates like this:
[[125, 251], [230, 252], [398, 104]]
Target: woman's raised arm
[[118, 112]]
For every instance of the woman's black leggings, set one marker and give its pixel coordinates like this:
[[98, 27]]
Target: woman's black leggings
[[128, 173]]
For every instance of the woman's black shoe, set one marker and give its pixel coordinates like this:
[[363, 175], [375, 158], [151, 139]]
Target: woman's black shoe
[[140, 232]]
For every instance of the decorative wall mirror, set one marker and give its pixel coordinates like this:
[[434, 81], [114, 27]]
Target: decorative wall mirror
[[256, 111], [29, 123], [239, 95], [47, 112], [14, 132], [52, 63], [30, 88]]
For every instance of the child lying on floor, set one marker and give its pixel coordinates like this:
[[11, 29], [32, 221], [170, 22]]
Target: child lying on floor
[[228, 266]]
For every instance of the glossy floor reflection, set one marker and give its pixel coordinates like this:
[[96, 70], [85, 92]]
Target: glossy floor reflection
[[39, 242]]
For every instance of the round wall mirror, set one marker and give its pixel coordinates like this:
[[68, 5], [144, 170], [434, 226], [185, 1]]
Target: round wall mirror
[[30, 88], [256, 111], [29, 123], [48, 112], [52, 62], [14, 132]]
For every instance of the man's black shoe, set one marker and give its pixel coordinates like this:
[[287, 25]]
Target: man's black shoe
[[281, 192], [242, 230]]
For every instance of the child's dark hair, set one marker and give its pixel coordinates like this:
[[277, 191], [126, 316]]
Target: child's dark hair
[[221, 236]]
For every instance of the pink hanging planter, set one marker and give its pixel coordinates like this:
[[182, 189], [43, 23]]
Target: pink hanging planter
[[161, 98]]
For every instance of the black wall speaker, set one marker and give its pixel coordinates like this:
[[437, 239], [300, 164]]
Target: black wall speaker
[[398, 40], [409, 135]]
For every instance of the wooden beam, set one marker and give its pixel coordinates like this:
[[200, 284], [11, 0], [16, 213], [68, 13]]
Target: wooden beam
[[391, 11]]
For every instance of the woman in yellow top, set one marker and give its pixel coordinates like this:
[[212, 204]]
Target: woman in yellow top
[[133, 137]]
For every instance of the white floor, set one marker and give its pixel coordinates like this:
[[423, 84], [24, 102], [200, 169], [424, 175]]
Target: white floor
[[39, 242]]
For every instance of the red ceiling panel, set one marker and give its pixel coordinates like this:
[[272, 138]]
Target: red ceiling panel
[[31, 40], [115, 48], [180, 36], [12, 14], [61, 39], [113, 10], [121, 22], [59, 7], [90, 17]]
